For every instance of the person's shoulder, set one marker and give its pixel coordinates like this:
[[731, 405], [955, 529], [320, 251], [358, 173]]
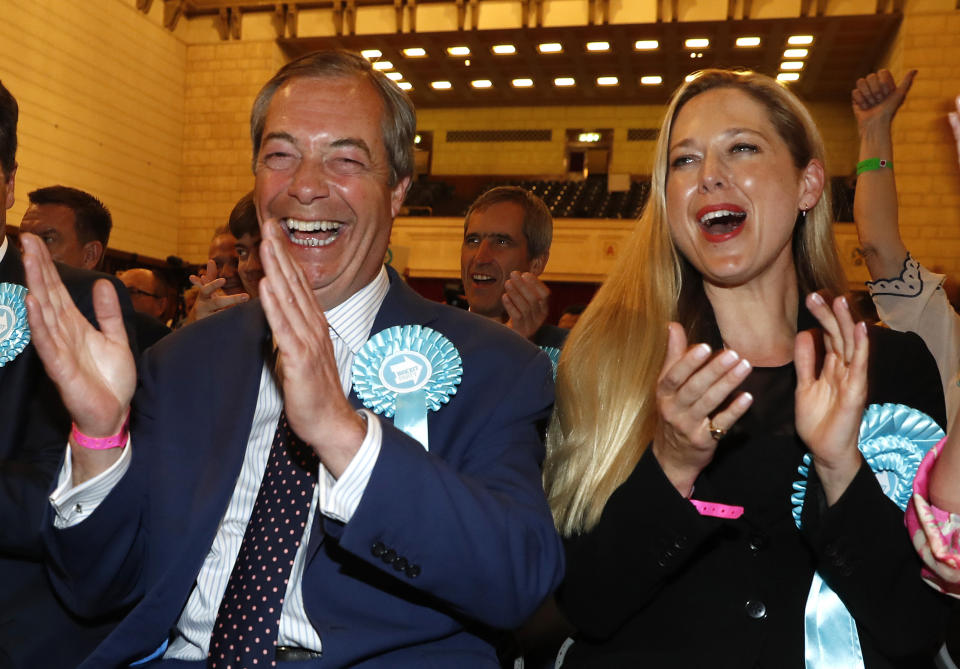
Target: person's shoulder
[[550, 335], [481, 335]]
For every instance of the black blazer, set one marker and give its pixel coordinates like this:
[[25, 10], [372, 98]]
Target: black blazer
[[35, 629]]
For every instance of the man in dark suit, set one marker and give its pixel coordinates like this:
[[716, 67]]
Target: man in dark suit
[[506, 244], [425, 533], [35, 629]]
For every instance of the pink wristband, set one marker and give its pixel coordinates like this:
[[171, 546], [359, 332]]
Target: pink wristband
[[717, 510], [117, 440]]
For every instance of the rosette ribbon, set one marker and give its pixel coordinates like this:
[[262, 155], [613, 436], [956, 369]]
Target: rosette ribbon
[[405, 371], [554, 354], [14, 329], [893, 440]]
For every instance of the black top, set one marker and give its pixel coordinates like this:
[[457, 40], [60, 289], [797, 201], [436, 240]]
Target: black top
[[656, 584]]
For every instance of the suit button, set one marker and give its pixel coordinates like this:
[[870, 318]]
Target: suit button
[[756, 609], [757, 542], [413, 570], [389, 555], [377, 549], [831, 550], [680, 542], [400, 563]]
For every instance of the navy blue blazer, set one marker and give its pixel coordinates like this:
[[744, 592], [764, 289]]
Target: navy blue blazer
[[470, 513]]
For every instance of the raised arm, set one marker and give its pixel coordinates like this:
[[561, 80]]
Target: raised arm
[[876, 100]]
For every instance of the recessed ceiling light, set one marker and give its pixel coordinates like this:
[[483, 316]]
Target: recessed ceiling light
[[598, 46], [481, 83], [788, 76], [503, 49], [550, 47], [395, 76], [791, 65], [795, 53], [646, 44], [404, 85], [651, 80], [371, 53], [441, 85], [748, 41], [458, 50], [697, 43], [564, 81], [383, 65], [415, 52], [800, 40], [607, 81], [522, 83]]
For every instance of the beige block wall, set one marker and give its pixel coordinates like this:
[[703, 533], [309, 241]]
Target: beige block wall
[[222, 81], [100, 89]]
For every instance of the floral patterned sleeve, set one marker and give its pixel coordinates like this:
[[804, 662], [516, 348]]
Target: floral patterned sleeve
[[935, 532]]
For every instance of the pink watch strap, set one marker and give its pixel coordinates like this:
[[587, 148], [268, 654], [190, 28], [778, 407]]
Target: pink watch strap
[[717, 510], [117, 440]]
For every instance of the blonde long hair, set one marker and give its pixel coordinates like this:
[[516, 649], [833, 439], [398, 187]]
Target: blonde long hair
[[606, 411]]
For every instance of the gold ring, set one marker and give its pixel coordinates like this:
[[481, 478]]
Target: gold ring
[[717, 432]]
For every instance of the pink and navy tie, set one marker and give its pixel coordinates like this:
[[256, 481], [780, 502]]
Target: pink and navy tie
[[245, 631]]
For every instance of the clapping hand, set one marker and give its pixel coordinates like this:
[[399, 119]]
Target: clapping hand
[[525, 297], [829, 406]]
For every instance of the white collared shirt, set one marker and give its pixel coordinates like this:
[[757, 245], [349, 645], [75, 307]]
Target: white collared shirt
[[3, 248], [350, 324]]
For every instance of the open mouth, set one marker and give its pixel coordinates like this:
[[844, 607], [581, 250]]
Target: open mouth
[[722, 224], [312, 233], [482, 279]]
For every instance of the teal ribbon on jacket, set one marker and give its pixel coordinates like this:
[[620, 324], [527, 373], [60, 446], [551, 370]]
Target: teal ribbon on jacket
[[893, 440], [14, 329], [405, 371]]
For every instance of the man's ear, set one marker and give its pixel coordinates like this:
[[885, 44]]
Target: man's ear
[[11, 179], [397, 195], [92, 252], [539, 263]]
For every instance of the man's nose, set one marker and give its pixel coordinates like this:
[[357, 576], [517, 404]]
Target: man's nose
[[310, 181]]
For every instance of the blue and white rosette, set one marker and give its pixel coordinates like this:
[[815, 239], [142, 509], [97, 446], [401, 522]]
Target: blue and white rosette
[[554, 354], [403, 372], [14, 329], [893, 440]]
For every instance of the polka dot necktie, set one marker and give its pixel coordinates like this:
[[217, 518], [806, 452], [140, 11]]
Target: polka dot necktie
[[245, 631]]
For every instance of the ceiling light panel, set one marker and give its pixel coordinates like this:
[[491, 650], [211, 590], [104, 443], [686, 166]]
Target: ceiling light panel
[[651, 80], [597, 47], [800, 40], [697, 43], [395, 76], [793, 65], [415, 52], [370, 54], [458, 50], [504, 49], [550, 47], [481, 83], [646, 44], [383, 65], [522, 82], [796, 53], [404, 85], [607, 81], [441, 85], [748, 41], [788, 76], [564, 81]]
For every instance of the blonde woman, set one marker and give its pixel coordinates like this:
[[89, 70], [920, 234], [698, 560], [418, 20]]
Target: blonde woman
[[690, 392]]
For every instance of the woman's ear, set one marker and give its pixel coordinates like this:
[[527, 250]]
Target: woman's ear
[[811, 185]]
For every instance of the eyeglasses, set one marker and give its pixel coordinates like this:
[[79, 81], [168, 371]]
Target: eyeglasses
[[134, 292]]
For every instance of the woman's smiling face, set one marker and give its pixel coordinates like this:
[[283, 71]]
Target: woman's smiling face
[[733, 190]]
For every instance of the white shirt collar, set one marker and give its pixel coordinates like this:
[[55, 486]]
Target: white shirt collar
[[3, 248], [353, 318]]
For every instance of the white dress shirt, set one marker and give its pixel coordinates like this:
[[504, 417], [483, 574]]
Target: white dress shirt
[[3, 248], [350, 324]]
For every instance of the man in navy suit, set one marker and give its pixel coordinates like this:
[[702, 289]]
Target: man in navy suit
[[415, 550], [35, 629]]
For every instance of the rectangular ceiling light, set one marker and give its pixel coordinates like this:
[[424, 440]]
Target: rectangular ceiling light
[[748, 41], [646, 44], [651, 80], [588, 137], [800, 40], [791, 65], [795, 53], [395, 76], [607, 81], [481, 83], [370, 54], [598, 46], [504, 49], [522, 83], [458, 50], [788, 76], [550, 47], [564, 81], [404, 85], [383, 65], [441, 85], [415, 52], [697, 43]]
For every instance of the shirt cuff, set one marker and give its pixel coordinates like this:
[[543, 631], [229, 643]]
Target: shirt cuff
[[346, 492], [71, 505]]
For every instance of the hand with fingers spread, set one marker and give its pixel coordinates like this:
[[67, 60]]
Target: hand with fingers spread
[[93, 369], [211, 298], [313, 398], [691, 387], [877, 97], [829, 405], [525, 298]]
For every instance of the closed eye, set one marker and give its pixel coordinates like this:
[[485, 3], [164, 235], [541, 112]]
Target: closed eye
[[681, 161], [279, 160]]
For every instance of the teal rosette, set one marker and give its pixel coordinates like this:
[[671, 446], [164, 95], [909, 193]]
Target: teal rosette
[[893, 440], [14, 329], [403, 372], [554, 354]]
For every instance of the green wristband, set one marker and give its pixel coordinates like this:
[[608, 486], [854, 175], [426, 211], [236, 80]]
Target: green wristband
[[871, 164]]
